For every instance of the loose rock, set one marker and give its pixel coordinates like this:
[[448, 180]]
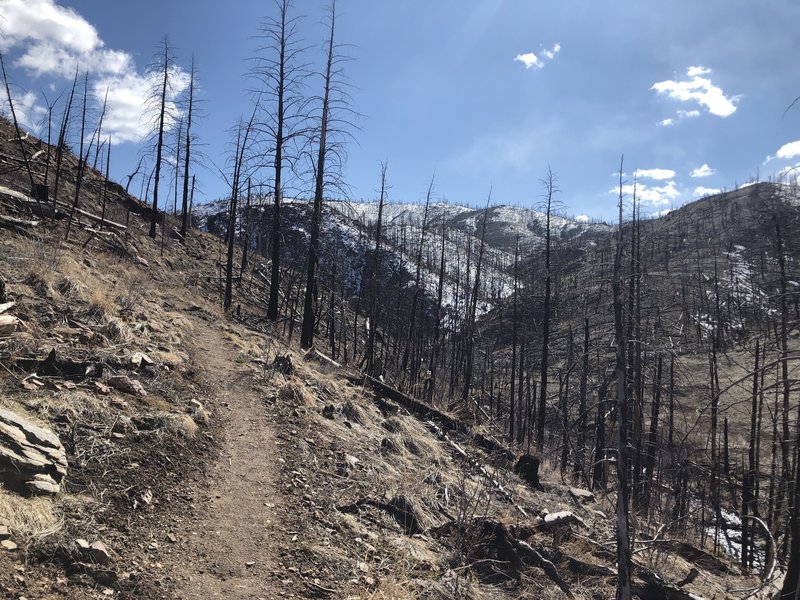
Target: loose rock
[[123, 383], [8, 545]]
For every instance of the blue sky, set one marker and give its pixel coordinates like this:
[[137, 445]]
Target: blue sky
[[485, 93]]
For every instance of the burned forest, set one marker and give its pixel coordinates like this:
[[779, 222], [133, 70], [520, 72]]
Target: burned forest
[[279, 389]]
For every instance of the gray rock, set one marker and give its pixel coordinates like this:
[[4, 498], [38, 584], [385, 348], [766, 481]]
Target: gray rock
[[123, 383], [582, 495], [8, 545], [99, 553], [32, 458], [42, 485], [558, 519]]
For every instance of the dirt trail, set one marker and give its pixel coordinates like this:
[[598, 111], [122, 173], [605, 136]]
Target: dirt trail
[[229, 549]]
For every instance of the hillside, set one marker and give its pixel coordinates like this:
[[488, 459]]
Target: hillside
[[208, 456]]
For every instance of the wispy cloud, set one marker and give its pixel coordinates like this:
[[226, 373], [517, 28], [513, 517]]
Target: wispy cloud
[[654, 174], [698, 89], [666, 122], [48, 40], [532, 60], [26, 107], [703, 171]]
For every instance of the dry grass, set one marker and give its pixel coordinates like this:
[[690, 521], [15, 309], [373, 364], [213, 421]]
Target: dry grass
[[297, 393], [69, 406], [172, 359], [29, 519], [116, 330], [180, 425]]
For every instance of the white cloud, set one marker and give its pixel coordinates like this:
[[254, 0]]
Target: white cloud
[[582, 219], [655, 173], [551, 54], [701, 191], [45, 23], [52, 40], [698, 89], [697, 71], [653, 195], [704, 171], [789, 150], [688, 114], [531, 60], [666, 122]]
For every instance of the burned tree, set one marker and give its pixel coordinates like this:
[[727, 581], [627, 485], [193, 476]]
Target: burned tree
[[333, 100], [280, 74]]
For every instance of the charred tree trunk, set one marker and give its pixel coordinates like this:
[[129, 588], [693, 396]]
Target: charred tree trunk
[[550, 188], [307, 327], [623, 533], [185, 212]]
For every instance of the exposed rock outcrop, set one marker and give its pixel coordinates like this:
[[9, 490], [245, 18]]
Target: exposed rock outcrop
[[32, 459]]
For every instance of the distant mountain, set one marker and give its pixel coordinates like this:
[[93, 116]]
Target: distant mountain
[[348, 232]]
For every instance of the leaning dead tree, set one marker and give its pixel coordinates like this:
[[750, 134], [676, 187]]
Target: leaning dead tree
[[17, 130]]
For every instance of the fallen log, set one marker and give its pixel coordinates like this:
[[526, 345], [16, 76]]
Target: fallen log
[[656, 587], [314, 354], [18, 225], [474, 463], [399, 508], [93, 217], [5, 306], [426, 411], [497, 543], [54, 366]]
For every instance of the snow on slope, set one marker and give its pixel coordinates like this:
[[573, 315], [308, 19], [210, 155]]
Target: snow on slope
[[349, 226]]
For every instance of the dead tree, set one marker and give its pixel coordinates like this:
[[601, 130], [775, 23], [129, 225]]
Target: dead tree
[[81, 159], [472, 307], [437, 327], [550, 189], [309, 313], [376, 270], [514, 333], [412, 322], [623, 524], [163, 63], [277, 68], [99, 131], [18, 132], [187, 156], [62, 139], [243, 136]]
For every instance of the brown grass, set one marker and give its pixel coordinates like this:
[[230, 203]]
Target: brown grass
[[29, 519]]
